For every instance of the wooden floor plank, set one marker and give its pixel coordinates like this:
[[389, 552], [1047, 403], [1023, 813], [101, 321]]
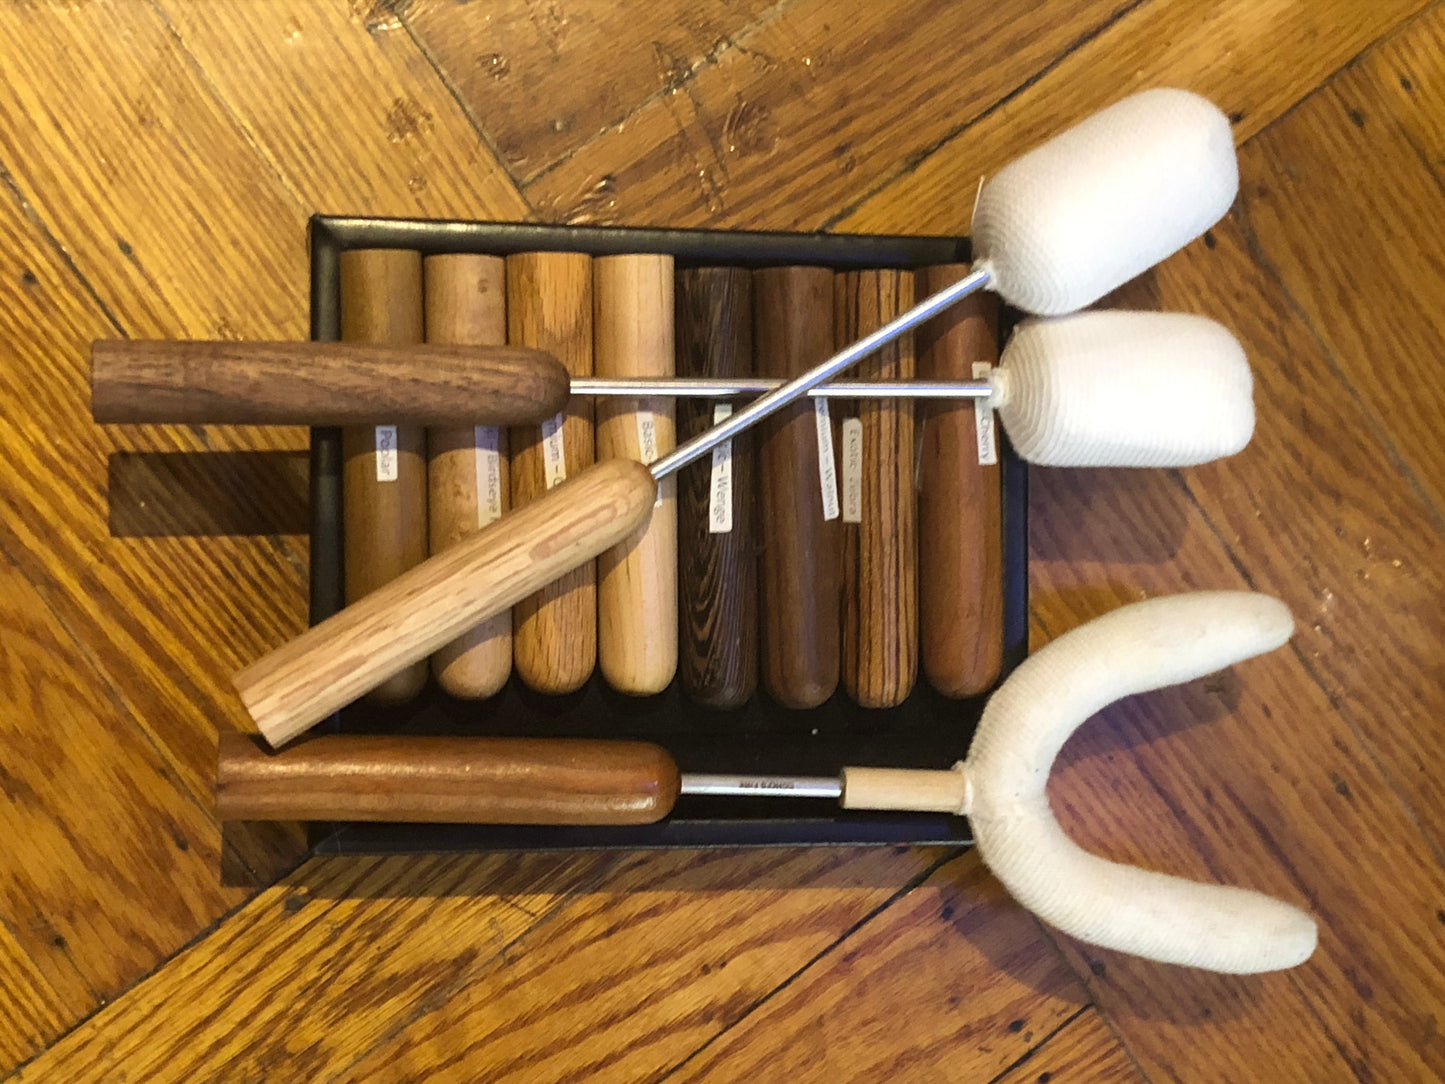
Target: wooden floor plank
[[1255, 59], [815, 108], [1083, 1051], [32, 1012], [166, 619], [352, 116], [515, 64], [1361, 161], [315, 970], [952, 982], [109, 865], [635, 974]]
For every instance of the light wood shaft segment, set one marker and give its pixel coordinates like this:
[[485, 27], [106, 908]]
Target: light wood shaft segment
[[549, 307], [717, 573], [960, 542], [468, 476], [637, 579], [800, 578], [880, 555], [907, 789], [446, 780], [383, 481], [331, 664], [315, 383]]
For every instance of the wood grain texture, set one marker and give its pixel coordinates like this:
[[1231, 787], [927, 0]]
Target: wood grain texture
[[515, 65], [913, 991], [717, 571], [383, 490], [1083, 1050], [880, 552], [1174, 44], [320, 383], [549, 306], [800, 578], [469, 468], [331, 664], [388, 777], [960, 503], [810, 111], [637, 579], [345, 106], [671, 950]]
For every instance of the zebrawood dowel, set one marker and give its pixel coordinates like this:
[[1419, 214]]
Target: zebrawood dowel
[[549, 306], [468, 477], [960, 529], [446, 780], [383, 481], [717, 572], [637, 579], [800, 578], [310, 383], [880, 554], [331, 664]]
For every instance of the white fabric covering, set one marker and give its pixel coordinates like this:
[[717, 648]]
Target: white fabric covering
[[1135, 649], [1124, 389], [1106, 200]]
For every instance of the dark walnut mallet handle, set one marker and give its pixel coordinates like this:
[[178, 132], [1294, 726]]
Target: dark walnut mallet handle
[[446, 780], [306, 383]]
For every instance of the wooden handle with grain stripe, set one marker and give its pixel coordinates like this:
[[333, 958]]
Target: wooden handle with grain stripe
[[446, 780], [306, 383], [331, 664]]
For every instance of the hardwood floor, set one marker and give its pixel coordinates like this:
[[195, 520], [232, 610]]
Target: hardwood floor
[[159, 161]]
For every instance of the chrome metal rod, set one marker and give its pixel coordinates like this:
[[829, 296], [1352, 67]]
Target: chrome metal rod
[[763, 786], [719, 388], [754, 412]]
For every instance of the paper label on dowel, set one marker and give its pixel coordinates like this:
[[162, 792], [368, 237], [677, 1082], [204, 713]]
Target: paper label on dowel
[[852, 470], [554, 455], [647, 444], [720, 491], [827, 474], [489, 475], [983, 421], [386, 453]]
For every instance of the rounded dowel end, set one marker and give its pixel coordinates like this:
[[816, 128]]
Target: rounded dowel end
[[1105, 200], [1124, 389]]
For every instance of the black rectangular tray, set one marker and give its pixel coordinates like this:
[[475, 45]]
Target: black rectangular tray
[[926, 731]]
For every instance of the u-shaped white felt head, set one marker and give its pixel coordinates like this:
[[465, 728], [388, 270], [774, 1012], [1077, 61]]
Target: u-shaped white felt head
[[1124, 389], [1135, 649], [1106, 200]]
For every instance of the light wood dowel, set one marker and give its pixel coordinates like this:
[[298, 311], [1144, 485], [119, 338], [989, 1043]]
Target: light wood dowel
[[637, 579], [549, 306], [960, 548], [320, 383], [446, 780], [331, 664], [468, 476], [880, 550], [800, 579], [384, 466], [717, 568]]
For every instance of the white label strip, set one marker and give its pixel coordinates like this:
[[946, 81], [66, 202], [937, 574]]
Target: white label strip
[[489, 475], [720, 491], [386, 453], [647, 444], [554, 455], [827, 473], [983, 421], [852, 470]]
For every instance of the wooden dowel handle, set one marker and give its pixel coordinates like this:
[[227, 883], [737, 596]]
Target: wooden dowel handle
[[328, 666], [446, 780], [306, 383]]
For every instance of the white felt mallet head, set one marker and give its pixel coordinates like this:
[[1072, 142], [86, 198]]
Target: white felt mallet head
[[1104, 201], [1124, 389]]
